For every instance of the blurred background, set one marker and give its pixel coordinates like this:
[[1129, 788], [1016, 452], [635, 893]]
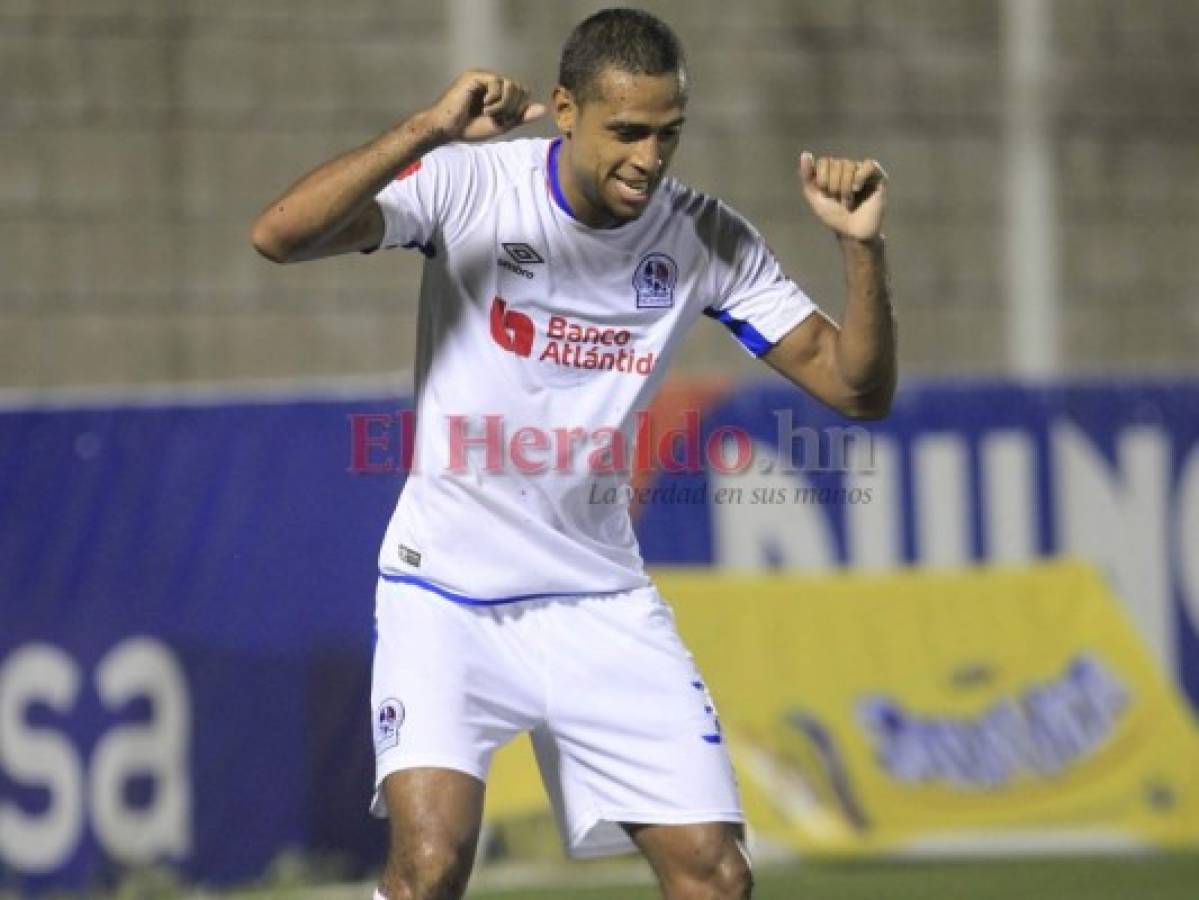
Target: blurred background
[[141, 138], [187, 538]]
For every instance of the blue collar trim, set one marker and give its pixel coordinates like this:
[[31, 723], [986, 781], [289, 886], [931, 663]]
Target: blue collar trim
[[552, 175]]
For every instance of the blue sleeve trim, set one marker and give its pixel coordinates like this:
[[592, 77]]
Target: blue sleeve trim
[[427, 249], [752, 339], [476, 601], [551, 174]]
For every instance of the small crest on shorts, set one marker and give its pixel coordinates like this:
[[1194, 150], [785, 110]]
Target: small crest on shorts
[[388, 719], [654, 280], [409, 556]]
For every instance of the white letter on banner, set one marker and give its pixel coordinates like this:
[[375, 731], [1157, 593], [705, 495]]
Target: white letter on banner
[[747, 535], [1117, 520], [942, 520], [143, 667], [1186, 534], [42, 674], [1009, 497], [874, 528]]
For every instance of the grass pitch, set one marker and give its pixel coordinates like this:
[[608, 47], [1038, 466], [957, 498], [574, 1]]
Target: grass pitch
[[1174, 877], [1122, 877]]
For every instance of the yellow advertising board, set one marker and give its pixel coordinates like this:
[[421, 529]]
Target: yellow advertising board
[[931, 712]]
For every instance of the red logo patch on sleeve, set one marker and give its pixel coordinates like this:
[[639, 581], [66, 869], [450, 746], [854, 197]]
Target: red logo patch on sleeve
[[408, 170]]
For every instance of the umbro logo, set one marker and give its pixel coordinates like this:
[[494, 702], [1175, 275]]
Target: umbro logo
[[523, 254]]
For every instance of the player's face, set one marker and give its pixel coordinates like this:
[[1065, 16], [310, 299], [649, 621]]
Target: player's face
[[619, 143]]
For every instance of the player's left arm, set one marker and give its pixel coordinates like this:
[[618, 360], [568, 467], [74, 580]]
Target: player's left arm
[[852, 367]]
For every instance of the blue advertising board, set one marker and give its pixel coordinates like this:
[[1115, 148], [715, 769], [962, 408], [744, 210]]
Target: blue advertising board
[[187, 628], [962, 473], [186, 589]]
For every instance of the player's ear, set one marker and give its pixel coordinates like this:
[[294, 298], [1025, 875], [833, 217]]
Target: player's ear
[[566, 110]]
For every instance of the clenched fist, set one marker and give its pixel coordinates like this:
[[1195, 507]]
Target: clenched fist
[[481, 105], [847, 195]]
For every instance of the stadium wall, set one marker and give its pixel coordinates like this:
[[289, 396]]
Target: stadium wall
[[141, 137]]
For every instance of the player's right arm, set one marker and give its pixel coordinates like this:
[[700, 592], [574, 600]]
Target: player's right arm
[[332, 209]]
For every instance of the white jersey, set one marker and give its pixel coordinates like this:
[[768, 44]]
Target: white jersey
[[539, 339]]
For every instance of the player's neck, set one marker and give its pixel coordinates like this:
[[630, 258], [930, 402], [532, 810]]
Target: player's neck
[[578, 206]]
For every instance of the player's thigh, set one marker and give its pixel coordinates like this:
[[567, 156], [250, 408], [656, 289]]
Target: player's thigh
[[444, 694], [435, 817], [702, 859], [636, 736]]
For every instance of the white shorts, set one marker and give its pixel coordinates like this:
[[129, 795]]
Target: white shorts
[[623, 727]]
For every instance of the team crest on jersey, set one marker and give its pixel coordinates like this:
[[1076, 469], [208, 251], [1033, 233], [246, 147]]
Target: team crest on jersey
[[388, 719], [654, 281]]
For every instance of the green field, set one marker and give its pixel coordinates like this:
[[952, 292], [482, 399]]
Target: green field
[[1097, 878], [1171, 877]]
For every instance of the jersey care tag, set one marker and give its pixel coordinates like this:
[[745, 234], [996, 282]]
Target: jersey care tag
[[410, 556]]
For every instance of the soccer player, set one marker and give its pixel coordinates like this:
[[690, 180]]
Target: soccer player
[[559, 277]]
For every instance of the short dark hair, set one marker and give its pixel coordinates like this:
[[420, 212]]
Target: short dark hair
[[630, 40]]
